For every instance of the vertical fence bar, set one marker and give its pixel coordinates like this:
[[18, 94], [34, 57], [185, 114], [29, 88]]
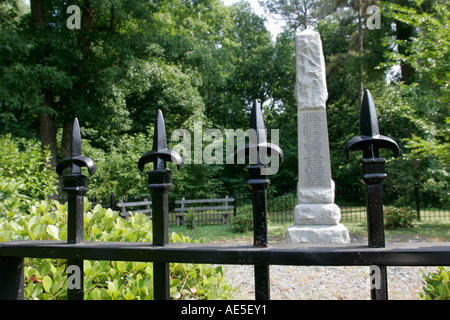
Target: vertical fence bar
[[257, 151], [235, 203], [259, 184], [75, 186], [12, 278], [112, 201], [159, 184], [370, 141], [416, 197], [373, 176]]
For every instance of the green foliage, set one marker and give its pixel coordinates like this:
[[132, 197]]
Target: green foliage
[[12, 202], [243, 221], [418, 109], [398, 218], [108, 280], [190, 219], [428, 49], [25, 175], [117, 169], [436, 285], [201, 60]]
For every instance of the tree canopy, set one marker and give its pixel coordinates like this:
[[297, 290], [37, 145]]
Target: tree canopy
[[200, 60]]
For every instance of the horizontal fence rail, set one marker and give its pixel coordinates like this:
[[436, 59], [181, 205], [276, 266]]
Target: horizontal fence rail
[[397, 254], [259, 254]]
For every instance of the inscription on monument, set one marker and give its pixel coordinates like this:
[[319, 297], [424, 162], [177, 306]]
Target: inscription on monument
[[314, 154], [316, 216]]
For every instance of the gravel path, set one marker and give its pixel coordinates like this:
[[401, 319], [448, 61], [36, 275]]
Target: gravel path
[[329, 283]]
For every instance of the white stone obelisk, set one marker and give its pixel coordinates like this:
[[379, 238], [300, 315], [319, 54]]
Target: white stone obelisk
[[316, 217]]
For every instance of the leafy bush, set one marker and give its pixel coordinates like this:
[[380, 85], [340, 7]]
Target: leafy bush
[[190, 219], [23, 163], [116, 167], [12, 202], [45, 278], [242, 222], [436, 285], [398, 218]]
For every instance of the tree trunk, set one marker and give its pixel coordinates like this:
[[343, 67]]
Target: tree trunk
[[37, 13], [360, 54], [84, 41], [48, 136], [66, 142], [46, 120], [404, 32]]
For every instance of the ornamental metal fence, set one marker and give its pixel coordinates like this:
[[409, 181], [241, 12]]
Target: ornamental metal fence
[[260, 254]]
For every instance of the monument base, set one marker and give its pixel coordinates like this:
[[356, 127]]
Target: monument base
[[317, 234], [316, 214]]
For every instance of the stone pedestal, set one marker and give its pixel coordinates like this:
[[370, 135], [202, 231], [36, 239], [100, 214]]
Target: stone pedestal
[[317, 234], [316, 217]]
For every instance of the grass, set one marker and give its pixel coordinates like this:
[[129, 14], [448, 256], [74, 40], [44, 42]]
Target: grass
[[358, 213], [212, 233], [427, 231]]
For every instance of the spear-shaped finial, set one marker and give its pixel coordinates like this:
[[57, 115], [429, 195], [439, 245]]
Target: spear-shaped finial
[[259, 183], [370, 140], [159, 183], [261, 147], [77, 160], [160, 154], [75, 185]]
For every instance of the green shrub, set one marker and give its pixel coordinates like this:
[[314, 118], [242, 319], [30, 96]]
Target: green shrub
[[107, 280], [398, 218], [12, 202], [190, 219], [242, 222], [436, 285], [24, 163]]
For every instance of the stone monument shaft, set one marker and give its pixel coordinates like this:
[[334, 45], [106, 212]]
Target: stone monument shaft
[[316, 217]]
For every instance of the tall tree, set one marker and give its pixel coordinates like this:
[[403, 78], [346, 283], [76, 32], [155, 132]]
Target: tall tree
[[90, 72], [421, 98], [298, 14]]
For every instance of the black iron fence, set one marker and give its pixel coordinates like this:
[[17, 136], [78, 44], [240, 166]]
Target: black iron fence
[[426, 205], [352, 204], [261, 255]]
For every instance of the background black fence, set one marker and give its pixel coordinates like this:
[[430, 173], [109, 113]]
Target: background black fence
[[428, 205]]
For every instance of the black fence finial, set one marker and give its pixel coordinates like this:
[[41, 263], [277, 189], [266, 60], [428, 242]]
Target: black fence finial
[[77, 160], [370, 140], [259, 183], [160, 154], [260, 147], [75, 185], [159, 184]]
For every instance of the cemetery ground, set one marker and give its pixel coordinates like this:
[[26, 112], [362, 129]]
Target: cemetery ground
[[421, 231], [325, 282]]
